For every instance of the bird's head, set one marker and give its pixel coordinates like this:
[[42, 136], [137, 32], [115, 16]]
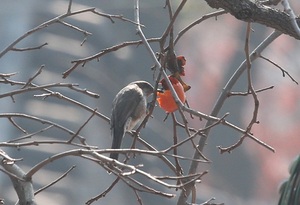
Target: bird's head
[[146, 87]]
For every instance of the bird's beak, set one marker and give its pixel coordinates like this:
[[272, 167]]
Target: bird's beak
[[159, 90]]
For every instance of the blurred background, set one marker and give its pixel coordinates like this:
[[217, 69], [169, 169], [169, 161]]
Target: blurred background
[[214, 49]]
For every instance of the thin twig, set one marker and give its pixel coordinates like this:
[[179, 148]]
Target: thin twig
[[201, 131], [103, 194], [249, 92], [16, 125], [185, 178], [29, 135], [7, 75], [179, 170], [231, 147], [249, 77], [74, 27], [85, 91], [96, 56], [55, 181], [59, 95], [172, 21], [203, 18], [69, 6], [47, 142], [139, 199], [148, 152], [29, 48], [42, 26], [82, 126], [144, 188], [6, 159], [38, 72], [43, 121], [57, 20], [162, 157], [41, 87], [284, 72], [93, 153], [121, 17]]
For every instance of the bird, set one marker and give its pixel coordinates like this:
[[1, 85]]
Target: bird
[[129, 107], [290, 189], [165, 99]]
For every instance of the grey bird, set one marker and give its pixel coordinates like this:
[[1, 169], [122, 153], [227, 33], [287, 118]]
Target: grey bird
[[128, 109]]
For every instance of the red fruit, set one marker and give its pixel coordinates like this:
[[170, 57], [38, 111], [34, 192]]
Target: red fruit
[[165, 99]]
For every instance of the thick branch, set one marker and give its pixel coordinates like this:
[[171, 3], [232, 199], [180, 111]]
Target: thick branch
[[23, 188], [248, 11]]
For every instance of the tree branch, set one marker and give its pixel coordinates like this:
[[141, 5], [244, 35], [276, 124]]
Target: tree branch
[[250, 11], [219, 103], [24, 186]]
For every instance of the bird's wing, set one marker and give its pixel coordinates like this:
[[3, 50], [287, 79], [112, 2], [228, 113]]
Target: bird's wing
[[290, 189], [124, 106]]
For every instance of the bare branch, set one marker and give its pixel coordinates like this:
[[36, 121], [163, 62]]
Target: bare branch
[[43, 121], [125, 176], [40, 142], [39, 71], [248, 135], [249, 92], [29, 135], [149, 152], [42, 26], [41, 87], [69, 6], [219, 103], [86, 92], [292, 16], [232, 147], [139, 199], [278, 66], [96, 56], [29, 48], [23, 186], [249, 77], [58, 19], [86, 33], [7, 75], [59, 95], [111, 17], [179, 170], [16, 125], [172, 21], [81, 127], [203, 18], [103, 194], [162, 157], [253, 11], [55, 181]]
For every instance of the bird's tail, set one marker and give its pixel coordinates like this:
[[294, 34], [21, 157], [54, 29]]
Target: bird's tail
[[117, 134]]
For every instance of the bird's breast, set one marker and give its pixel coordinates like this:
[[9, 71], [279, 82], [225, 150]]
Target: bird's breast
[[138, 115]]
